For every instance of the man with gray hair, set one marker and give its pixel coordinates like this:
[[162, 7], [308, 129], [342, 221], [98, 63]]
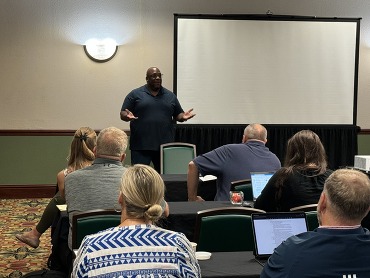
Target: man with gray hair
[[233, 162], [340, 246], [97, 186]]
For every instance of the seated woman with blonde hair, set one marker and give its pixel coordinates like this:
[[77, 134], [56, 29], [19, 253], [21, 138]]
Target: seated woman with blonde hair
[[137, 248], [81, 154]]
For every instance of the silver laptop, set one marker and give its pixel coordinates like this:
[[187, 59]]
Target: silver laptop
[[259, 181], [272, 228]]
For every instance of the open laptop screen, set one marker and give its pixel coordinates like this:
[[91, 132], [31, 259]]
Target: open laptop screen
[[259, 181], [271, 229]]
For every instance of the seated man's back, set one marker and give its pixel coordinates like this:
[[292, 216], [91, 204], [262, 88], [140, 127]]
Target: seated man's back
[[339, 247], [322, 253], [233, 162], [97, 186]]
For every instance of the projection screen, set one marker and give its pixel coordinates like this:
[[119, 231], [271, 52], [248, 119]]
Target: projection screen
[[237, 69]]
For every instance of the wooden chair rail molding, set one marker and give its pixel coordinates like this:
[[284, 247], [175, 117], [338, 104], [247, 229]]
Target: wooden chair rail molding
[[21, 191], [364, 131], [18, 191], [27, 191], [24, 132]]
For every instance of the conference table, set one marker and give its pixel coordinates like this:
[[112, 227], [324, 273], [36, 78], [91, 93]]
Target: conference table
[[230, 265], [182, 219], [176, 188], [183, 215], [221, 264]]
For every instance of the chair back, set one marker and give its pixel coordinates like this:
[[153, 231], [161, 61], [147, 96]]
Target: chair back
[[245, 186], [310, 207], [311, 215], [92, 221], [175, 157], [366, 221], [312, 220], [225, 229]]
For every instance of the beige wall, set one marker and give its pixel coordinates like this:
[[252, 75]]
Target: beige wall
[[47, 82]]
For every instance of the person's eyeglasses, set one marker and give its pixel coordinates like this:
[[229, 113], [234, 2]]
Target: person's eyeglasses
[[156, 75]]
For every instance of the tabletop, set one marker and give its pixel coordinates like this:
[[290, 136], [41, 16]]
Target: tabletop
[[230, 265], [182, 215], [177, 190]]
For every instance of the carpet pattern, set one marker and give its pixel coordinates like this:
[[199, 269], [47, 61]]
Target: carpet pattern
[[17, 258]]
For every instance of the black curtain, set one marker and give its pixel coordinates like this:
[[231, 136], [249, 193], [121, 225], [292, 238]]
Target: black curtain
[[340, 141]]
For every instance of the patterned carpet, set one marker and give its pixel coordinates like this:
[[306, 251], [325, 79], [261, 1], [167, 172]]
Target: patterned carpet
[[16, 258]]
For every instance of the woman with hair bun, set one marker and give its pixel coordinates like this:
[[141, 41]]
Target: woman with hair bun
[[137, 248], [81, 154]]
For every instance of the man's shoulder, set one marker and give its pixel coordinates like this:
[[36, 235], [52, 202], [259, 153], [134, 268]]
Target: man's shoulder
[[254, 143], [323, 235], [93, 170], [215, 151], [167, 91], [246, 147], [139, 90], [82, 171], [233, 148], [262, 148], [78, 173], [228, 148], [297, 242], [302, 237]]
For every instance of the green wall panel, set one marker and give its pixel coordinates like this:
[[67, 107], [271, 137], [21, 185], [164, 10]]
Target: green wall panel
[[34, 159], [37, 159], [363, 144]]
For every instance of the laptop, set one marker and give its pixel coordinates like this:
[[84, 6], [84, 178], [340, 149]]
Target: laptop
[[272, 228], [259, 181]]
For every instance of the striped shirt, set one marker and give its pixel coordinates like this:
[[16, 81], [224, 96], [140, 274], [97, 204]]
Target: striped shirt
[[136, 251]]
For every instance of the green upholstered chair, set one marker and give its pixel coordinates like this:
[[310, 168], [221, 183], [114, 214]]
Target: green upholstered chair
[[311, 215], [245, 186], [312, 220], [310, 207], [92, 221], [175, 157], [366, 221], [225, 229]]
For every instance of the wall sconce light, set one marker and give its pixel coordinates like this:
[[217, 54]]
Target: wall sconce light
[[101, 50]]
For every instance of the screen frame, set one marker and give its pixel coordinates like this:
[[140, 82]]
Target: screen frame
[[268, 17], [273, 216]]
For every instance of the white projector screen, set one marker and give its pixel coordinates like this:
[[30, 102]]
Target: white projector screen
[[236, 70]]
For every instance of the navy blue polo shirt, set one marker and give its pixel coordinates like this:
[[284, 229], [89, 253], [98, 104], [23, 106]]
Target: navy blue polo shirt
[[234, 162], [329, 253], [154, 125]]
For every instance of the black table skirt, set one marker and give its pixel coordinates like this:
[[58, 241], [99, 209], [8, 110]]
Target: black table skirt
[[340, 141], [183, 215], [176, 188], [181, 219]]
